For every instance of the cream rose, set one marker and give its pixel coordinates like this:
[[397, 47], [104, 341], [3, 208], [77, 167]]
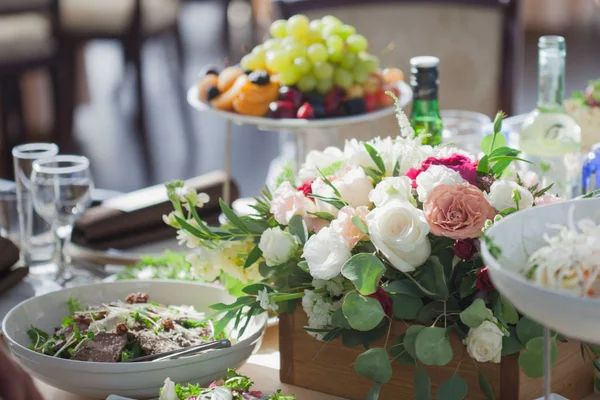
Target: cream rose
[[353, 185], [319, 160], [399, 231], [501, 195], [434, 176], [277, 246], [484, 343], [397, 188], [345, 228], [288, 202], [326, 253]]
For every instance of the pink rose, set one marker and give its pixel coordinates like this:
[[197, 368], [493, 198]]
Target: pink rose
[[461, 164], [288, 201], [457, 211], [344, 226], [547, 199]]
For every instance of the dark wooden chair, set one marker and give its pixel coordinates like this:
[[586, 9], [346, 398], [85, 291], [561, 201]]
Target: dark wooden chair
[[132, 23], [29, 39]]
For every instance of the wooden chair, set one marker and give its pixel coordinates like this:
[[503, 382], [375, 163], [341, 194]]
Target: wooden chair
[[132, 23], [479, 43]]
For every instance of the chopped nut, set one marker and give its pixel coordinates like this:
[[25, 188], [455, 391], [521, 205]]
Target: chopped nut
[[122, 328], [137, 298], [167, 324]]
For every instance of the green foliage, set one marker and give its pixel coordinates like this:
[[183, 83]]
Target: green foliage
[[406, 307], [509, 313], [531, 360], [376, 158], [511, 343], [433, 278], [422, 384], [454, 388], [399, 352], [364, 271], [297, 227], [169, 265], [432, 346], [359, 223], [373, 393], [74, 306], [253, 256], [363, 313], [485, 386], [410, 339], [475, 314], [403, 286], [375, 365], [528, 329]]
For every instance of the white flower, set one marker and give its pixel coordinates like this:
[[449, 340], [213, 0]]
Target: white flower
[[205, 264], [345, 227], [399, 231], [325, 253], [189, 197], [436, 175], [502, 195], [406, 129], [186, 237], [232, 257], [168, 391], [319, 160], [318, 308], [447, 151], [277, 246], [265, 301], [356, 154], [397, 188], [529, 178], [354, 187], [484, 343], [287, 202], [334, 286], [170, 220]]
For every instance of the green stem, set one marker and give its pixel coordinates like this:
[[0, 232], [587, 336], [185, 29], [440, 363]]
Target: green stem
[[284, 297]]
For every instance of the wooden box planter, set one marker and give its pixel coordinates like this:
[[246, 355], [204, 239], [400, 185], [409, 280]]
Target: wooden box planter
[[306, 362]]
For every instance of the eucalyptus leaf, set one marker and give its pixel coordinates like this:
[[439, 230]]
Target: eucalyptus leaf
[[422, 384], [406, 307], [375, 365], [297, 227], [433, 347], [454, 388], [373, 393], [363, 313], [403, 286], [475, 314], [431, 311], [485, 386], [511, 343], [410, 337], [528, 329], [339, 320], [433, 277], [511, 315], [360, 224], [531, 360], [364, 270], [399, 352]]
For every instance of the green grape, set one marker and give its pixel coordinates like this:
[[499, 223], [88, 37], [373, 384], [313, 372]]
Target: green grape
[[303, 65], [279, 29], [343, 78], [330, 30], [346, 30], [307, 83], [360, 73], [295, 50], [370, 62], [334, 56], [335, 43], [272, 44], [323, 70], [252, 62], [260, 52], [314, 36], [277, 60], [297, 26], [289, 75], [357, 43], [348, 60], [331, 20], [316, 25], [317, 52], [324, 85]]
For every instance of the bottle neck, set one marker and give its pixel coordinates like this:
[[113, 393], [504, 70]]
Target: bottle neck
[[551, 84], [426, 107]]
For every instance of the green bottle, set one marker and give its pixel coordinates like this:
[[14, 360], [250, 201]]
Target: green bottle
[[425, 117]]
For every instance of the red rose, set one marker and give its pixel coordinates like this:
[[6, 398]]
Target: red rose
[[457, 162], [412, 174], [484, 282], [465, 249], [386, 301], [306, 187]]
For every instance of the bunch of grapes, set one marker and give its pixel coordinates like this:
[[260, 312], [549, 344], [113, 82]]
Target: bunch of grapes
[[313, 55]]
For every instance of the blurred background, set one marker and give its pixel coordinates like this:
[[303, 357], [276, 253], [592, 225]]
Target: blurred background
[[115, 75]]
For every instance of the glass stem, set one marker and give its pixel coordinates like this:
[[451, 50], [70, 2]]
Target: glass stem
[[62, 234]]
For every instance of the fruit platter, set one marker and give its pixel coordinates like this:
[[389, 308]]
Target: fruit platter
[[307, 74]]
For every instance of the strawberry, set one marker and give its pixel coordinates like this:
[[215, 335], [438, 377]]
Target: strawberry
[[306, 111]]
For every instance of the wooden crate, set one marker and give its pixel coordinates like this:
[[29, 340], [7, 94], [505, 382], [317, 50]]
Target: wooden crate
[[308, 363]]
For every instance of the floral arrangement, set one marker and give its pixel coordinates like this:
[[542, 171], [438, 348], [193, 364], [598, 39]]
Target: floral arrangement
[[584, 106], [382, 230]]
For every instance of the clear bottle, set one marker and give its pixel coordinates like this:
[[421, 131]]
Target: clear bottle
[[550, 138], [425, 116]]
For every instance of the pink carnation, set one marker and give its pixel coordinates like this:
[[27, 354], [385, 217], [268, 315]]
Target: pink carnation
[[457, 211], [457, 162]]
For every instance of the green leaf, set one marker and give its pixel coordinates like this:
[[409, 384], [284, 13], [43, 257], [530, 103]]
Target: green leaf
[[333, 168], [257, 287], [422, 384], [454, 388], [253, 256], [374, 392], [485, 386], [433, 347], [406, 307], [511, 316], [339, 320], [504, 151], [403, 286], [483, 165], [410, 339], [486, 142], [498, 168], [374, 364], [467, 285], [297, 227], [396, 168], [597, 383], [303, 265], [232, 217], [475, 314], [360, 224], [433, 277], [372, 173], [528, 329], [399, 352], [376, 158], [363, 313], [431, 311], [510, 343], [323, 215], [364, 270], [339, 204], [531, 360], [423, 289], [328, 183]]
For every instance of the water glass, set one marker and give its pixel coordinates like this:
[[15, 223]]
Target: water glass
[[464, 128], [36, 241], [9, 216], [61, 191]]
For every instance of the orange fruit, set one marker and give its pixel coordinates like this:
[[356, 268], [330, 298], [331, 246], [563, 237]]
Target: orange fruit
[[225, 100], [250, 108], [206, 83], [392, 75], [227, 78], [260, 94]]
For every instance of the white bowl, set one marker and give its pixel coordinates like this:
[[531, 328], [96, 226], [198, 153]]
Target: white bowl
[[138, 380], [518, 236]]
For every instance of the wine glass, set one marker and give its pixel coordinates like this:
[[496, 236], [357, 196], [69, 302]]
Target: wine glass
[[62, 190]]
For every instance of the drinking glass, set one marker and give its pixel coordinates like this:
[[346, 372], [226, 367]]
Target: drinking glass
[[35, 236], [61, 191], [464, 128]]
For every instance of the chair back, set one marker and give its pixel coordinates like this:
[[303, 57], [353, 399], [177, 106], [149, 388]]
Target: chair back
[[17, 6]]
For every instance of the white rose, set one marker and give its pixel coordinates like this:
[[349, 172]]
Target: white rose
[[397, 188], [399, 231], [356, 154], [529, 178], [501, 195], [287, 202], [354, 187], [277, 246], [484, 343], [326, 253], [436, 175], [319, 160]]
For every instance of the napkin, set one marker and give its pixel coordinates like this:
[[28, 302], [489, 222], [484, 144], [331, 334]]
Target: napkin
[[135, 218], [9, 275]]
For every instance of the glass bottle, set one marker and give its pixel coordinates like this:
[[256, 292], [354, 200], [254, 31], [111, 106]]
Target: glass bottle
[[550, 138], [425, 116]]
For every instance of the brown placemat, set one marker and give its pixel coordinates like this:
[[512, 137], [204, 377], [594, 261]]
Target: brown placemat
[[12, 277], [9, 254]]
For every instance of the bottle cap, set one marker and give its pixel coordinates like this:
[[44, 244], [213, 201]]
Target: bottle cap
[[424, 62]]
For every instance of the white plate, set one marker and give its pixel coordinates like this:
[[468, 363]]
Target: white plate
[[137, 380], [518, 236], [272, 124], [122, 257]]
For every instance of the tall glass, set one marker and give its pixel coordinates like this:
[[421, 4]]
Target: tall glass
[[61, 191], [35, 235]]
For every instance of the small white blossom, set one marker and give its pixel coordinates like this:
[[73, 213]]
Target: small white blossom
[[319, 309], [319, 160], [265, 301], [502, 195], [204, 264], [189, 197], [170, 220], [187, 238], [334, 286]]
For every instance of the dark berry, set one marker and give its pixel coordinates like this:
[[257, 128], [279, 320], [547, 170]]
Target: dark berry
[[260, 77], [212, 92], [306, 111], [288, 93], [333, 99], [370, 102], [209, 70], [281, 109], [354, 106], [319, 110], [247, 71], [314, 98]]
